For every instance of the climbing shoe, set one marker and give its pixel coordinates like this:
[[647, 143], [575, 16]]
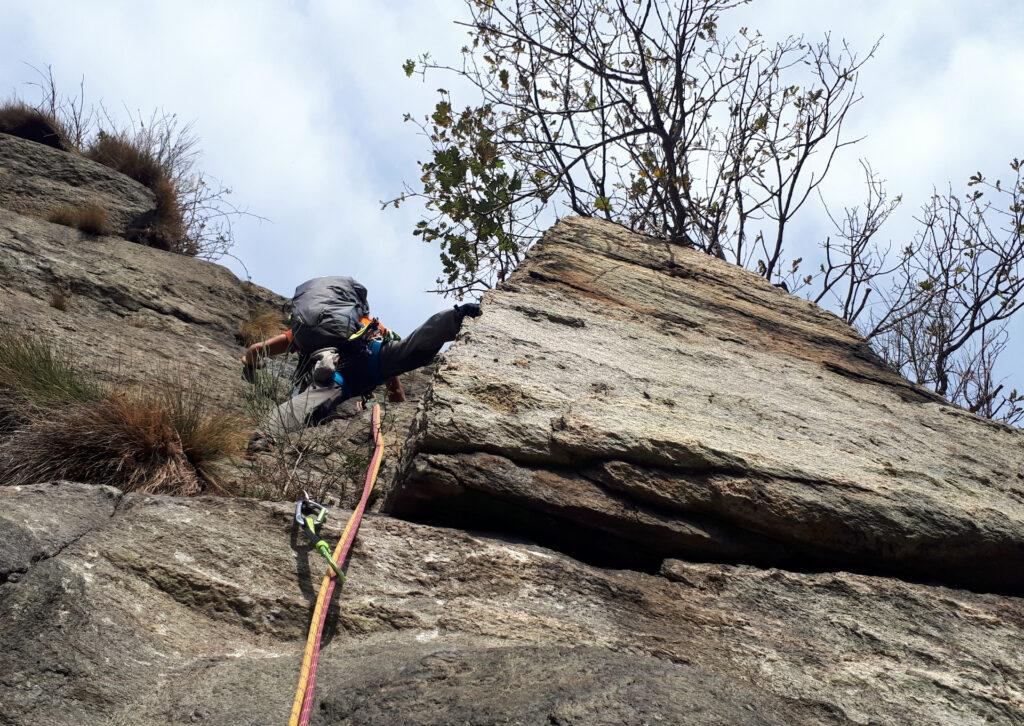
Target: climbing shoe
[[471, 310]]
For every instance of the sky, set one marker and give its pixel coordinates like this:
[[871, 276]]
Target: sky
[[299, 107]]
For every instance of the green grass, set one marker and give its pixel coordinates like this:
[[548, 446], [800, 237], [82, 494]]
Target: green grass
[[270, 387], [60, 423], [38, 372]]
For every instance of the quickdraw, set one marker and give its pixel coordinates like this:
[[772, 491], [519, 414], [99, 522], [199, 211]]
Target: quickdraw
[[303, 702], [311, 517]]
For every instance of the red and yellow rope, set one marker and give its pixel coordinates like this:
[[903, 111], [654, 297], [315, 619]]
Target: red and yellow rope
[[303, 703]]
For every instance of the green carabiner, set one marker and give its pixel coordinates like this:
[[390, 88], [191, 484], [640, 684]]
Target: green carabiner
[[312, 525]]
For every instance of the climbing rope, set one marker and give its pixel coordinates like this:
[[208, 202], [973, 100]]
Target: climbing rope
[[303, 703]]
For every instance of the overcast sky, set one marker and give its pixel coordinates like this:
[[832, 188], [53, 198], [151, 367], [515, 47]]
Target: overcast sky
[[299, 106]]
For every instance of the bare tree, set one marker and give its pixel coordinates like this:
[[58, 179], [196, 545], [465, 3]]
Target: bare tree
[[855, 263], [77, 121], [637, 112], [943, 322]]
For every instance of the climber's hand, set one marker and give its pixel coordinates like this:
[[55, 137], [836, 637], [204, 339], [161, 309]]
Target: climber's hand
[[471, 310]]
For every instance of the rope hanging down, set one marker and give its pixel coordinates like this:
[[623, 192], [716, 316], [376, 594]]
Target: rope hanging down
[[303, 703]]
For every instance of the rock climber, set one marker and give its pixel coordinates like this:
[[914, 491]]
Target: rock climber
[[343, 353]]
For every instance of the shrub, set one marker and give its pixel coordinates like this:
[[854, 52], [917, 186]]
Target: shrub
[[89, 218], [306, 461], [19, 119]]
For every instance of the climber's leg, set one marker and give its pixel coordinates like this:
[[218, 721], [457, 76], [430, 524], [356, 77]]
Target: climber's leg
[[420, 347], [308, 408]]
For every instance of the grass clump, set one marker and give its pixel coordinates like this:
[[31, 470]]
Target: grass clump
[[89, 218], [161, 442], [60, 300], [28, 122], [168, 438], [206, 433], [123, 153], [135, 156], [192, 216], [34, 371], [260, 325]]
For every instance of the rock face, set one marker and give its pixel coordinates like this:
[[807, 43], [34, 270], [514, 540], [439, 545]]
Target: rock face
[[132, 312], [643, 488], [153, 610], [36, 179], [668, 404]]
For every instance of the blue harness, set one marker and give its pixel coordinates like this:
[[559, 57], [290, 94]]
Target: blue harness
[[361, 375]]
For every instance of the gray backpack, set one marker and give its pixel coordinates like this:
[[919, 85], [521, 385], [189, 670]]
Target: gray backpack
[[326, 313]]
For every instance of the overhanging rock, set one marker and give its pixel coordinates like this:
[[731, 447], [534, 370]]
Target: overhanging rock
[[631, 399]]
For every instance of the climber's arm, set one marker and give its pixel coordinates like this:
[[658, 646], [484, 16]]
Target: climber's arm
[[265, 349]]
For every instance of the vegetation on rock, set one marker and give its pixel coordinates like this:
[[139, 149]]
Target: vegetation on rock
[[653, 116], [62, 424], [88, 218], [20, 119], [193, 215]]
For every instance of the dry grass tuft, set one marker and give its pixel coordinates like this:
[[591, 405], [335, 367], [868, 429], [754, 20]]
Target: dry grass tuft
[[167, 232], [119, 151], [131, 156], [19, 119], [207, 434], [122, 441], [168, 438], [166, 441], [89, 218], [60, 300], [260, 325]]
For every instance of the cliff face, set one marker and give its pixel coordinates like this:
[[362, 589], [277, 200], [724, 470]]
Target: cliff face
[[673, 405], [644, 487], [36, 180]]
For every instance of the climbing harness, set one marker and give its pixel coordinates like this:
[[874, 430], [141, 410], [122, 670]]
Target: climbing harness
[[303, 703]]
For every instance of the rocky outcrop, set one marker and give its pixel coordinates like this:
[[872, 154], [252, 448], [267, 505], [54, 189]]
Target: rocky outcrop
[[36, 180], [620, 394], [132, 313], [154, 610]]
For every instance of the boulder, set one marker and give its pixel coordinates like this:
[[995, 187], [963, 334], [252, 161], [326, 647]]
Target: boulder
[[619, 393], [36, 180]]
